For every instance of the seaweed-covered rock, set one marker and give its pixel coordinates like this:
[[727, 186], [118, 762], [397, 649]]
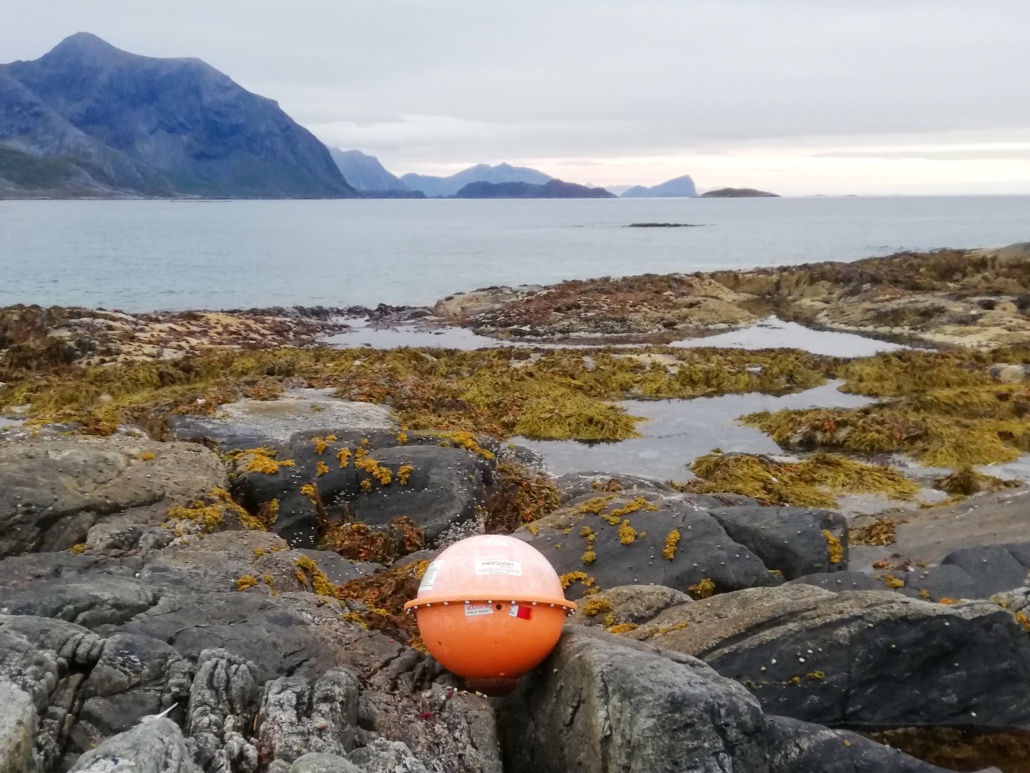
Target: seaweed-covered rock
[[437, 486], [575, 484], [156, 746], [53, 491], [628, 604], [859, 658], [651, 538], [792, 540]]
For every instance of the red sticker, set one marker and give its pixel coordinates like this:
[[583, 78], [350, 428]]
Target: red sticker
[[522, 613]]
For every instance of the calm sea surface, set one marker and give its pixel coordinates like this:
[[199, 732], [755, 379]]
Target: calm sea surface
[[149, 255]]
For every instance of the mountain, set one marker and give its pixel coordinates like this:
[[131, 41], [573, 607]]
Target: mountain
[[738, 193], [365, 173], [554, 189], [680, 187], [122, 124], [481, 173]]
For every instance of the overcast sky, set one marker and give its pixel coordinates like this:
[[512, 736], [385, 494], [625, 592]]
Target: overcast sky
[[797, 96]]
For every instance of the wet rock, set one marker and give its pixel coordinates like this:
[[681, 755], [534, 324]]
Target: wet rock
[[788, 539], [840, 581], [704, 550], [630, 604], [87, 601], [861, 658], [17, 729], [798, 747], [255, 423], [297, 717], [221, 710], [136, 676], [942, 582], [317, 762], [156, 746], [382, 756], [52, 492]]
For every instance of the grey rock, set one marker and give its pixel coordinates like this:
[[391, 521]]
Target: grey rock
[[382, 756], [88, 601], [859, 658], [156, 746], [17, 729], [52, 492], [840, 581], [799, 747], [136, 676], [339, 569], [944, 581], [318, 762], [704, 551], [601, 704], [254, 423], [297, 717], [221, 710], [788, 539], [993, 568]]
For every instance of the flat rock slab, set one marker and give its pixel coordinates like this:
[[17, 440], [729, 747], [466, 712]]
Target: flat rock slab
[[254, 423], [859, 658], [704, 550], [52, 492], [987, 519]]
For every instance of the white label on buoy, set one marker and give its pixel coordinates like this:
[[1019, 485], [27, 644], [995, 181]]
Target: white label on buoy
[[472, 610], [495, 566], [430, 576]]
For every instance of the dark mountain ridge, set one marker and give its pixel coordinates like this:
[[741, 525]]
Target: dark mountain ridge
[[136, 125]]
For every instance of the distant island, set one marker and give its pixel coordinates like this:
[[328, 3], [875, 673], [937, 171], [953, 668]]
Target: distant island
[[555, 189], [738, 193], [680, 187], [90, 120], [480, 173]]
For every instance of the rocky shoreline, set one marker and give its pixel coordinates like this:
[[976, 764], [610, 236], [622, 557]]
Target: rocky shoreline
[[210, 523]]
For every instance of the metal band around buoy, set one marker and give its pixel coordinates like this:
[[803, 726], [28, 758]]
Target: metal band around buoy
[[534, 601]]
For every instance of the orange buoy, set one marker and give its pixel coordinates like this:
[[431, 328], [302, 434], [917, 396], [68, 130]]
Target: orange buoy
[[490, 609]]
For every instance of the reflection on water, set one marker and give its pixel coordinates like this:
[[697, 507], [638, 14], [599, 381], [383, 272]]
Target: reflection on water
[[678, 431], [774, 333], [362, 335]]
